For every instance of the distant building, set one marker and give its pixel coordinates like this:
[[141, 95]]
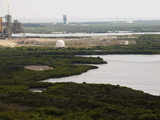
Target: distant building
[[124, 43], [60, 44], [17, 27], [7, 27], [64, 19]]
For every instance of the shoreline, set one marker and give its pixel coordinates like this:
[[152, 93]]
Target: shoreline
[[119, 78]]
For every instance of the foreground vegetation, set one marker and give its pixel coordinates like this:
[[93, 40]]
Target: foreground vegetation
[[16, 99], [70, 101]]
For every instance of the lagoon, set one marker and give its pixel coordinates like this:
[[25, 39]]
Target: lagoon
[[140, 72]]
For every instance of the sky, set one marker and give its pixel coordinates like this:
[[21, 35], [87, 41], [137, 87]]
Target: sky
[[79, 10]]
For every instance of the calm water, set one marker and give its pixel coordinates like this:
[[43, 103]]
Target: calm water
[[80, 34], [141, 72]]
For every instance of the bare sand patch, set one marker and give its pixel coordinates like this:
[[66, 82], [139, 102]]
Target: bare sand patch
[[38, 67], [8, 43]]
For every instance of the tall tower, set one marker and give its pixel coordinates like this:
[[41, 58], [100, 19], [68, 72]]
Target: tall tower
[[8, 19], [9, 25], [64, 19], [17, 27]]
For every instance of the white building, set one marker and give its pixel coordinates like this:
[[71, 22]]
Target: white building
[[125, 42], [60, 44]]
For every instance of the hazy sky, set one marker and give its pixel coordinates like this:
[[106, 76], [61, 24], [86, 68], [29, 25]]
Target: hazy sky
[[81, 9]]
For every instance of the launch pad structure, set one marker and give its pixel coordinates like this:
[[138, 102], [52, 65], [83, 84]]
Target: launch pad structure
[[7, 26]]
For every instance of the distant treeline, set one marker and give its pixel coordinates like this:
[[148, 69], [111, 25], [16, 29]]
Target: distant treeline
[[94, 27]]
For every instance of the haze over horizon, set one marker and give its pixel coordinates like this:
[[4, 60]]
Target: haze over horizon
[[84, 10]]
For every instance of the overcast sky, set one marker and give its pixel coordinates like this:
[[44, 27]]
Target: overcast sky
[[81, 9]]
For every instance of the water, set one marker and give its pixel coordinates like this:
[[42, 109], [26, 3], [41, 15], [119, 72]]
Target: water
[[37, 90], [141, 72], [80, 34]]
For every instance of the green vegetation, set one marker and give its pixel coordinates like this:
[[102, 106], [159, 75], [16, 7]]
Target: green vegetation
[[70, 101], [145, 44], [13, 61]]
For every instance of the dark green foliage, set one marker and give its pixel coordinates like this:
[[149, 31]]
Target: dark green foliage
[[70, 101], [14, 60], [17, 102]]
